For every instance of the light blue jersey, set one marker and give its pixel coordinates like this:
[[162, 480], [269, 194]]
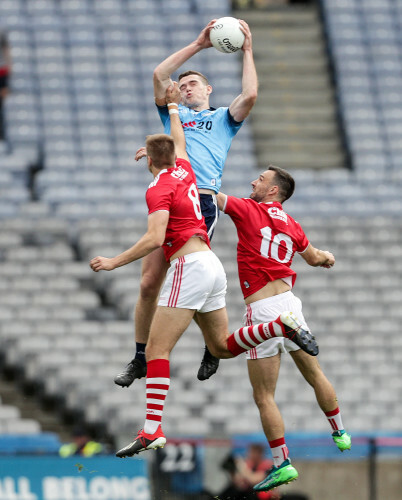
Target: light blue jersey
[[209, 134]]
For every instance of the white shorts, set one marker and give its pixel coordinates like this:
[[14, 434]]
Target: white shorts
[[265, 310], [195, 281]]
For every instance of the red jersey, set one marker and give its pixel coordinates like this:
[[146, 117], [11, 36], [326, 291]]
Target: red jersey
[[175, 190], [268, 240]]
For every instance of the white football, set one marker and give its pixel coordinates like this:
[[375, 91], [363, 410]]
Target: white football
[[226, 35]]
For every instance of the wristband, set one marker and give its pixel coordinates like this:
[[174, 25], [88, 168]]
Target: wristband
[[172, 104], [173, 111]]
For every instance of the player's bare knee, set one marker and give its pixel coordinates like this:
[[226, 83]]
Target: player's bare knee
[[149, 288], [262, 398], [219, 351], [215, 350]]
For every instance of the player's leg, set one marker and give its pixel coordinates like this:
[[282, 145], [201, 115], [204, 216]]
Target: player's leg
[[167, 327], [311, 370], [263, 365], [153, 272], [214, 326], [263, 375], [210, 211], [313, 374], [213, 321], [189, 280]]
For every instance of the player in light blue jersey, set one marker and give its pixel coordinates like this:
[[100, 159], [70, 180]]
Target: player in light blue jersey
[[209, 133]]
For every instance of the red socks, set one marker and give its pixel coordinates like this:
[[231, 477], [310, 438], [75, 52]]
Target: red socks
[[279, 451], [247, 337], [335, 419], [158, 381]]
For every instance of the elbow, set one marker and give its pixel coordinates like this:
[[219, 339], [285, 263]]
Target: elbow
[[157, 75], [251, 98], [153, 240], [157, 242]]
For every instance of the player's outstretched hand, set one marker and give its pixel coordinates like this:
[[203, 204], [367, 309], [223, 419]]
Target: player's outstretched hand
[[140, 153], [248, 41], [203, 38], [330, 260], [173, 93], [102, 264]]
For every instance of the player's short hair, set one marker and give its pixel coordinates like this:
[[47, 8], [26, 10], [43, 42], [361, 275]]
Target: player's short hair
[[160, 148], [284, 181], [191, 72]]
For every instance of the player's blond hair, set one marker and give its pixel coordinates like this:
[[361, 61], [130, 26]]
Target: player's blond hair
[[160, 148], [191, 72]]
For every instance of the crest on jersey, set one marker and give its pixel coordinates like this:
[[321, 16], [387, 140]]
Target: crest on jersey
[[277, 213], [179, 173]]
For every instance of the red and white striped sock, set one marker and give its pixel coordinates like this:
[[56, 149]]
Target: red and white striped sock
[[158, 381], [279, 451], [247, 337], [335, 419]]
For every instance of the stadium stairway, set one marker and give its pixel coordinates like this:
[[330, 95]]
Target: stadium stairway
[[295, 120], [26, 417]]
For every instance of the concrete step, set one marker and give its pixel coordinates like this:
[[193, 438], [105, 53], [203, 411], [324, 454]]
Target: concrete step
[[30, 408], [305, 145], [301, 82], [302, 98], [300, 160], [278, 17], [293, 69], [297, 50], [288, 57], [273, 129], [288, 35], [294, 114]]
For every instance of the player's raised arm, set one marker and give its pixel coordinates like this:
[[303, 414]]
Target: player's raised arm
[[176, 128], [163, 71], [152, 239], [241, 106], [318, 258]]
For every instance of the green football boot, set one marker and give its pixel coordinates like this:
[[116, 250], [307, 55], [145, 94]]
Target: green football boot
[[283, 474], [342, 439]]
